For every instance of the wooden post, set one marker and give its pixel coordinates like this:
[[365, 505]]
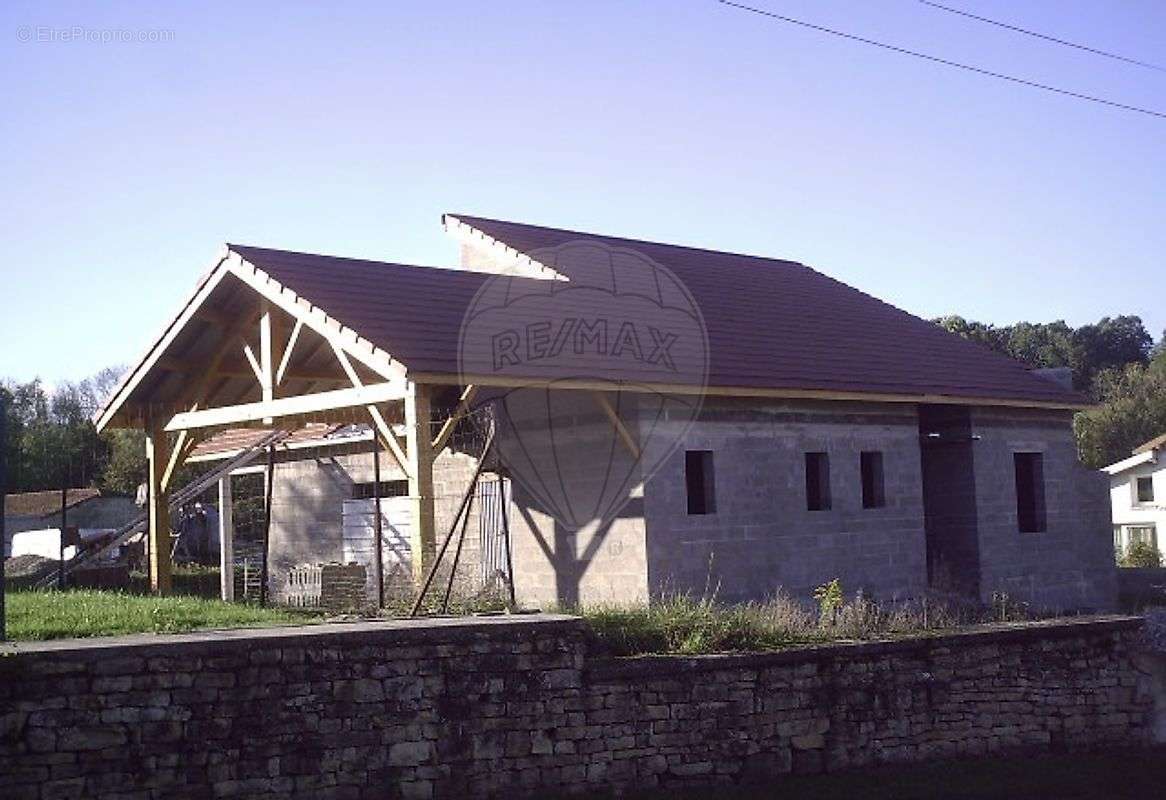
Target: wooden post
[[503, 485], [61, 538], [157, 456], [419, 444], [270, 482], [226, 540], [379, 546], [266, 361]]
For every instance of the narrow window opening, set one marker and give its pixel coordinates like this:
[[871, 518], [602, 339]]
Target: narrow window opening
[[1030, 492], [698, 476], [364, 491], [873, 493], [1145, 489], [817, 481]]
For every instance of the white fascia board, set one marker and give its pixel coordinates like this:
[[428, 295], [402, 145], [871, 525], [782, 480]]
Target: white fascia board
[[1131, 462]]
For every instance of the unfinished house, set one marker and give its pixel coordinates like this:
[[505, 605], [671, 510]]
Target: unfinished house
[[806, 432]]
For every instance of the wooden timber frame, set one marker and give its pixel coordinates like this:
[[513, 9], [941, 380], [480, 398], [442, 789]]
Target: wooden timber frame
[[271, 359]]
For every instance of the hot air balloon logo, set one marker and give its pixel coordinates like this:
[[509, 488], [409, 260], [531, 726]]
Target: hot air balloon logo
[[597, 372]]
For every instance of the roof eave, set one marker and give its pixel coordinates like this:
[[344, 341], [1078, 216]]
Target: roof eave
[[753, 391]]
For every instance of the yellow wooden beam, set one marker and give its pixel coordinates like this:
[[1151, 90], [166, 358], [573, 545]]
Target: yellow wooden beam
[[299, 406], [157, 455], [448, 426], [625, 435]]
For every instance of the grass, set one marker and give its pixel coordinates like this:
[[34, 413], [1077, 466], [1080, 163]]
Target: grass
[[679, 624], [690, 626], [36, 615]]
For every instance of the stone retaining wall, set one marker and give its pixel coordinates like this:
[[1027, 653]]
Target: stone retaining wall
[[522, 705]]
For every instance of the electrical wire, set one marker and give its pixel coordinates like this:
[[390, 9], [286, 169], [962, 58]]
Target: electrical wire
[[1038, 35], [936, 59]]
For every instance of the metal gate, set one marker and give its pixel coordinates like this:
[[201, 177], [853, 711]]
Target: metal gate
[[492, 521]]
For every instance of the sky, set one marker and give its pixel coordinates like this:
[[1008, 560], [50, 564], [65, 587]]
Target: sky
[[349, 128]]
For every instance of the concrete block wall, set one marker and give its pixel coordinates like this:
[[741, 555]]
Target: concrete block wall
[[761, 535], [1070, 565], [307, 505], [556, 562]]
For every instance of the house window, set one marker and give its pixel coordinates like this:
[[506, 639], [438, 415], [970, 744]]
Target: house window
[[1144, 489], [817, 481], [1030, 492], [698, 477], [871, 464], [364, 491]]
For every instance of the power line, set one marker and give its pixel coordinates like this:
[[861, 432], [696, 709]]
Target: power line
[[1046, 37], [944, 61]]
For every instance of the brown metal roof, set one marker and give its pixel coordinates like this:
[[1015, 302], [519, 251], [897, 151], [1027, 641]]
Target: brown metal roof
[[1153, 444], [41, 504], [771, 324], [233, 439]]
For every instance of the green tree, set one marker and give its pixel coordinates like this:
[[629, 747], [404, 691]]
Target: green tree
[[1112, 342], [52, 441], [1042, 344], [1088, 350], [988, 335], [1132, 410], [126, 468]]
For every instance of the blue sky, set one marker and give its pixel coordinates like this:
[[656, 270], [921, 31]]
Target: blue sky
[[349, 130]]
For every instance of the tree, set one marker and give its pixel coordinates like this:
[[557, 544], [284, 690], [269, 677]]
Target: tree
[[52, 440], [1088, 350], [988, 335], [1041, 345], [1112, 342], [1158, 354], [126, 468], [1132, 411]]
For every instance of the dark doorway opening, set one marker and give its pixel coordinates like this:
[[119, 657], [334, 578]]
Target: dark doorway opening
[[949, 498]]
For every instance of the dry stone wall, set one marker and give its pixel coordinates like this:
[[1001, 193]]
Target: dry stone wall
[[526, 706]]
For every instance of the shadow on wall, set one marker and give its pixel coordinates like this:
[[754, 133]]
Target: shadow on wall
[[569, 554]]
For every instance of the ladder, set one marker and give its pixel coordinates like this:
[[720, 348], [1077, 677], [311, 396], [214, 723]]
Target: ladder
[[179, 498]]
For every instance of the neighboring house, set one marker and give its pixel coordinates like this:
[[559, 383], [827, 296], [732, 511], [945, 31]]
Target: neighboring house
[[838, 437], [1137, 496], [84, 508]]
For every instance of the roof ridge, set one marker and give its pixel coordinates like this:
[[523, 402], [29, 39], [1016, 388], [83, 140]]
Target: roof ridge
[[628, 239], [454, 269], [239, 247]]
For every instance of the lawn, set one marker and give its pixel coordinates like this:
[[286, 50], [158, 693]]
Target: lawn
[[78, 613]]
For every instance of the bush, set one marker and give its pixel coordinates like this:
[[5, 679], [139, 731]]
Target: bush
[[1141, 554]]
